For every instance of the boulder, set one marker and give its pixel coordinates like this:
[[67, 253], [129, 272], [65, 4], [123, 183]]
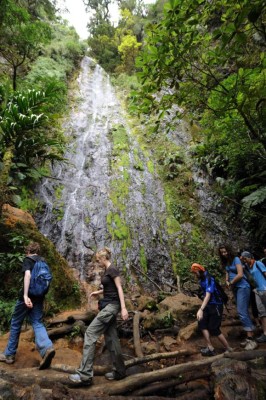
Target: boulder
[[188, 331], [182, 307], [12, 216]]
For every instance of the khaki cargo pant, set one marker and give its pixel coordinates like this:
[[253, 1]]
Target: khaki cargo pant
[[103, 323]]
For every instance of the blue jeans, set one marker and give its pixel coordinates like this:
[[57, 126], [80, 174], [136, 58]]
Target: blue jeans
[[242, 297], [35, 315]]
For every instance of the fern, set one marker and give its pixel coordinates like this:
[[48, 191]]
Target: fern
[[255, 198]]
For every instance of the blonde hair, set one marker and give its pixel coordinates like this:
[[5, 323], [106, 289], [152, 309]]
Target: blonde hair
[[105, 252], [33, 248]]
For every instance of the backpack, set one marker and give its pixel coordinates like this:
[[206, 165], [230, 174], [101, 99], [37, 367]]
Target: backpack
[[40, 278], [221, 293]]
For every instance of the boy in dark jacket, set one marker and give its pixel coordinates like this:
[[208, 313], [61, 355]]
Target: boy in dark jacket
[[210, 313]]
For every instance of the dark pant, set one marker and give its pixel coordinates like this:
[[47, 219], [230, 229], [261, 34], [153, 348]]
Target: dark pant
[[212, 319], [103, 323]]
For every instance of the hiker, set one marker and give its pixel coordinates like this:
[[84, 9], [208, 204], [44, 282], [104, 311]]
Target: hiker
[[210, 313], [258, 271], [240, 286], [31, 307], [104, 323]]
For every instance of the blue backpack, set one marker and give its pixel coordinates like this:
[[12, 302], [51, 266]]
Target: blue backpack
[[40, 278]]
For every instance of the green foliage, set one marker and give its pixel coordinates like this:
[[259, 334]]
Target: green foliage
[[6, 309], [21, 37], [129, 50], [209, 59], [22, 136]]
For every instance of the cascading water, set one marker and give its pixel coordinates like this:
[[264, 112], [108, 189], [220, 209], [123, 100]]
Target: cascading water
[[98, 199]]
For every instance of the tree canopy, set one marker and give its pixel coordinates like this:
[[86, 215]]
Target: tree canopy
[[209, 59]]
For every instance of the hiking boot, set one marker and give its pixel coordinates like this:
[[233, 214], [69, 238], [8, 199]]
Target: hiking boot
[[261, 339], [47, 359], [114, 376], [76, 379], [7, 359], [251, 345], [206, 352]]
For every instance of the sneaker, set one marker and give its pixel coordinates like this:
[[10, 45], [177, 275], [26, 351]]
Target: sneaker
[[244, 343], [229, 350], [261, 339], [47, 359], [76, 379], [206, 352], [114, 376], [7, 359], [251, 345]]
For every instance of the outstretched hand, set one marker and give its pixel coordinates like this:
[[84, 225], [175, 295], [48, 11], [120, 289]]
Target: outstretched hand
[[93, 294]]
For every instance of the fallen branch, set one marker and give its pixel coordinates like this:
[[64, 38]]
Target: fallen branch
[[87, 316], [146, 276], [66, 329], [136, 335], [97, 369], [139, 380], [177, 382], [101, 370], [246, 355], [159, 356]]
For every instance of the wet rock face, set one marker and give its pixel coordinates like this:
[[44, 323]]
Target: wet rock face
[[106, 194]]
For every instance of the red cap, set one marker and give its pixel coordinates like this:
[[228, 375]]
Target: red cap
[[197, 267]]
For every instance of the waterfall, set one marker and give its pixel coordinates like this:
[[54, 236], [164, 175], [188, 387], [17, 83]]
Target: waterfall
[[106, 193]]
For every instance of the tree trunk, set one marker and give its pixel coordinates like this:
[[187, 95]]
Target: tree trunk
[[14, 77], [4, 176], [136, 335]]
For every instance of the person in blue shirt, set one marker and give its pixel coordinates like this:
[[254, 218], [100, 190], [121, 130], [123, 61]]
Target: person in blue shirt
[[210, 313], [238, 283], [258, 271]]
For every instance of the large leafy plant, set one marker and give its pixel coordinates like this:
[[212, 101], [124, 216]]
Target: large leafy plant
[[24, 142]]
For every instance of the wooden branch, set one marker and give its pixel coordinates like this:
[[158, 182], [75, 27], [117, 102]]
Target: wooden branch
[[30, 376], [177, 382], [246, 355], [139, 380], [154, 283], [136, 335], [75, 316], [101, 370], [66, 329], [97, 369], [159, 356]]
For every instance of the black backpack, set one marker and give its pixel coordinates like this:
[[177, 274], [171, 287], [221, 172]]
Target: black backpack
[[221, 293]]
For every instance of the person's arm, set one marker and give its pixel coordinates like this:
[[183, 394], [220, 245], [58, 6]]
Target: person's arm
[[239, 274], [124, 313], [204, 303], [227, 279], [27, 300], [96, 293]]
